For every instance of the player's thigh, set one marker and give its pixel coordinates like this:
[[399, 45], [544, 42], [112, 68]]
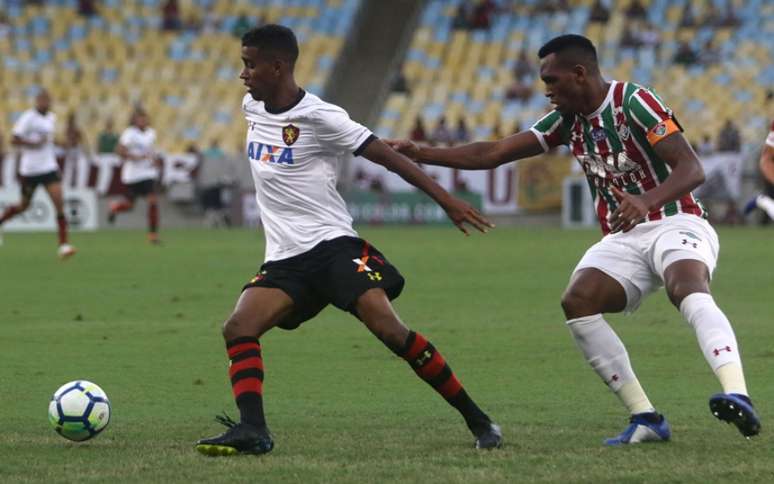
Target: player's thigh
[[613, 275], [257, 310], [54, 190]]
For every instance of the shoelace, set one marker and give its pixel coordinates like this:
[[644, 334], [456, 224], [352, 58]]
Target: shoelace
[[225, 420]]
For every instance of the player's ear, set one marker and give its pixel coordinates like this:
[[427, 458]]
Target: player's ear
[[580, 73]]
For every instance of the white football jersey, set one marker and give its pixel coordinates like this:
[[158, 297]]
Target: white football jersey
[[294, 157], [770, 137], [35, 127], [139, 143]]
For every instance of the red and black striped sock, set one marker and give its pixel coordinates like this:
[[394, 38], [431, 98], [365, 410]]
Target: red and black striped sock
[[61, 223], [428, 363], [246, 373], [153, 217]]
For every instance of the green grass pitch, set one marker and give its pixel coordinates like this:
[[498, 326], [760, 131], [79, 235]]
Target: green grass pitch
[[144, 322]]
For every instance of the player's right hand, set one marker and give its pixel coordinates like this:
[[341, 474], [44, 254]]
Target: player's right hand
[[405, 147], [461, 212]]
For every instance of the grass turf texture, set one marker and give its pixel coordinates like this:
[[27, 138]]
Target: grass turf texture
[[143, 322]]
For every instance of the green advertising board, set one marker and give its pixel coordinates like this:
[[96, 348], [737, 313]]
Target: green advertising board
[[400, 207]]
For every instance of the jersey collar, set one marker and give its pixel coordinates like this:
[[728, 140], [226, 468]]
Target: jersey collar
[[604, 103], [301, 94]]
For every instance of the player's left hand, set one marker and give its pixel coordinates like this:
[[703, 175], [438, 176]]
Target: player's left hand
[[632, 209], [461, 212]]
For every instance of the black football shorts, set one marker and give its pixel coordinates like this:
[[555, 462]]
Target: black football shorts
[[336, 271], [30, 183]]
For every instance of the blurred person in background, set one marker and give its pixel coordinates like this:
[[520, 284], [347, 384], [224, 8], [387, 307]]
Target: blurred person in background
[[461, 132], [765, 200], [729, 139], [107, 140], [214, 176], [140, 171], [441, 134], [33, 134], [418, 132]]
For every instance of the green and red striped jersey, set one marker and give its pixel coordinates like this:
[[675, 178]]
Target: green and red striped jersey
[[614, 145]]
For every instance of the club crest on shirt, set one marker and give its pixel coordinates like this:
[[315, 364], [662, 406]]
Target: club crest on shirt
[[290, 134], [660, 129]]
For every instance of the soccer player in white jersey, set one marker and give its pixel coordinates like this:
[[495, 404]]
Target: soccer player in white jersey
[[765, 201], [295, 142], [139, 171], [34, 134], [641, 172]]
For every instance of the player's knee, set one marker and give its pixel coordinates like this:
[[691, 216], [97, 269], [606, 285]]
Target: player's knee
[[576, 303], [232, 328]]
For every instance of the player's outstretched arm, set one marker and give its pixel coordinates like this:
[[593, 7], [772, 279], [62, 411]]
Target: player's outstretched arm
[[459, 212], [481, 155], [767, 163], [687, 174]]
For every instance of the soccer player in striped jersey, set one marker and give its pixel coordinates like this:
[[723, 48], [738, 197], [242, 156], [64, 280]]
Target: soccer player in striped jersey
[[314, 257], [34, 134], [765, 201], [641, 171]]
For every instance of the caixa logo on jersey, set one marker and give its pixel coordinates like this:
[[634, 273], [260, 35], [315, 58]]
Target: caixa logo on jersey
[[269, 154]]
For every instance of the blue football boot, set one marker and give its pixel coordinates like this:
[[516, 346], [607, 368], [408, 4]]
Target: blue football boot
[[643, 427], [738, 410]]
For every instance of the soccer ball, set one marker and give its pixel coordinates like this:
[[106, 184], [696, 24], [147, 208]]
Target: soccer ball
[[79, 410]]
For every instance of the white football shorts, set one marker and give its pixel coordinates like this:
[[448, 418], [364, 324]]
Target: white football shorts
[[637, 259]]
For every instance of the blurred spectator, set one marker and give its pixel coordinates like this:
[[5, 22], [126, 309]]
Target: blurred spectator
[[210, 22], [711, 17], [636, 10], [482, 14], [170, 15], [462, 16], [107, 139], [600, 13], [523, 67], [214, 177], [729, 139], [5, 26], [629, 36], [418, 132], [497, 132], [241, 26], [441, 133], [461, 133], [87, 8], [709, 54], [649, 36], [706, 147], [192, 23], [552, 6], [687, 19], [399, 82], [729, 19], [685, 54]]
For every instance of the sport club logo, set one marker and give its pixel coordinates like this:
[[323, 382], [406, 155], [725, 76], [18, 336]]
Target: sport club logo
[[269, 154], [290, 134], [660, 129]]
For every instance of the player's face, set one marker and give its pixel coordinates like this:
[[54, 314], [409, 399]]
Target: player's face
[[141, 120], [43, 102], [260, 74], [564, 84]]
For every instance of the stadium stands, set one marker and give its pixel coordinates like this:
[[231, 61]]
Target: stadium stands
[[100, 65], [467, 72]]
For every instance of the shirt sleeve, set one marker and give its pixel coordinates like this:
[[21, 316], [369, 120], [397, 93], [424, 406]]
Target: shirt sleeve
[[335, 130], [551, 130], [126, 138], [653, 116], [770, 137], [21, 126]]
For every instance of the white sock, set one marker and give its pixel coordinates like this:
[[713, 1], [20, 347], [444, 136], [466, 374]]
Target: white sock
[[607, 355], [716, 340], [766, 204]]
